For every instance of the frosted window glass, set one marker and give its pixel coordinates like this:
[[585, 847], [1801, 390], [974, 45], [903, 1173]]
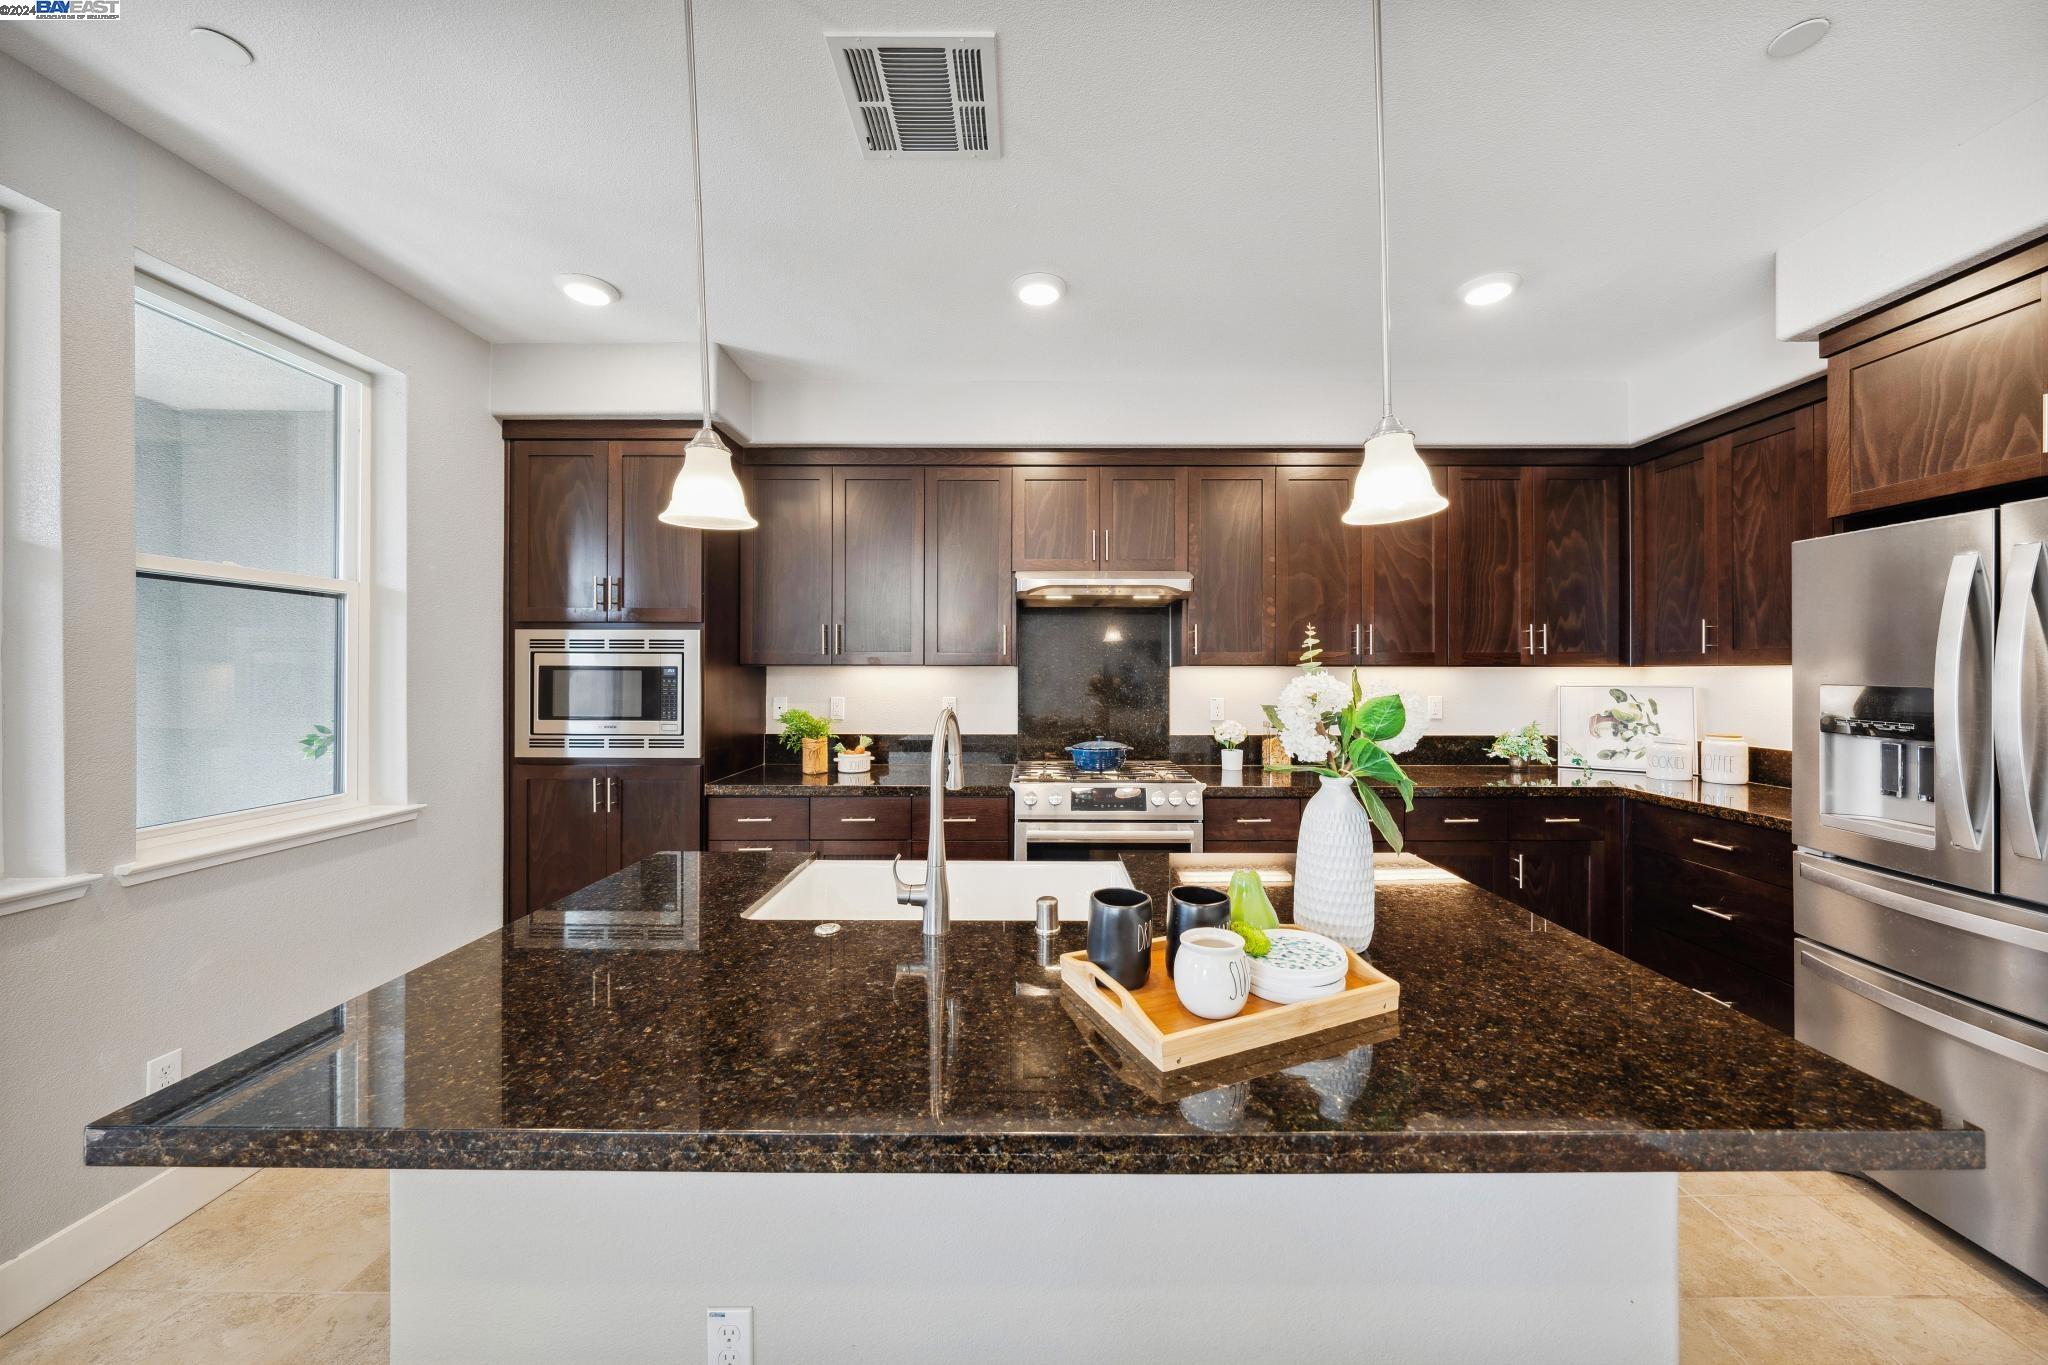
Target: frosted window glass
[[234, 452], [229, 681]]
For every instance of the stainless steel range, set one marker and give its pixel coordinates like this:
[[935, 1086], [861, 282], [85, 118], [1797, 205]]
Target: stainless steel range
[[1065, 815]]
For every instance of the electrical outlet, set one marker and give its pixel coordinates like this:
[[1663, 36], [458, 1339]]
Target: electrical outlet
[[1436, 708], [729, 1336], [1215, 708], [159, 1072], [838, 708], [781, 705]]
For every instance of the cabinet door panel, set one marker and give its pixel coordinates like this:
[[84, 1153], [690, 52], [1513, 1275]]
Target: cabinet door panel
[[1321, 578], [970, 595], [1058, 526], [878, 540], [1573, 579], [1677, 558], [1404, 563], [1771, 482], [1144, 520], [1478, 861], [1229, 617], [657, 810], [1554, 880], [786, 568], [659, 573], [562, 837], [1485, 529], [560, 523]]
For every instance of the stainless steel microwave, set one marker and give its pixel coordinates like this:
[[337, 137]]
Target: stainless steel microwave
[[597, 691]]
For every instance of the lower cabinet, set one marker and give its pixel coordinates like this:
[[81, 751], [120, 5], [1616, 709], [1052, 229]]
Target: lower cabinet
[[977, 827], [1555, 879], [1710, 906], [576, 823]]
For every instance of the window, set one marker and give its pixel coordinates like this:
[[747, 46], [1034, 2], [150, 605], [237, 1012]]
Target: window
[[250, 465]]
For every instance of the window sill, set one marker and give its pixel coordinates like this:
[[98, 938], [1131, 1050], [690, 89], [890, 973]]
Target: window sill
[[32, 893], [160, 858]]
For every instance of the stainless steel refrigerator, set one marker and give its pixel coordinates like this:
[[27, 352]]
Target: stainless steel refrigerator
[[1920, 811]]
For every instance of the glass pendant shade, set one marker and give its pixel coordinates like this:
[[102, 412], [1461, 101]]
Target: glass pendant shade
[[707, 494], [1393, 483]]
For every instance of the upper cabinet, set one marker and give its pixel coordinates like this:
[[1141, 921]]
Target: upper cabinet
[[1943, 392], [835, 572], [786, 568], [1371, 592], [585, 542], [1486, 608], [1532, 566], [1229, 617], [970, 596], [1131, 518]]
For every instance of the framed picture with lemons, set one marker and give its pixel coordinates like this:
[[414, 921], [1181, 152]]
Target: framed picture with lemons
[[1611, 727]]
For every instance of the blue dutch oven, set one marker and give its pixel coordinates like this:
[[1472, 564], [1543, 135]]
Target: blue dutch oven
[[1098, 755]]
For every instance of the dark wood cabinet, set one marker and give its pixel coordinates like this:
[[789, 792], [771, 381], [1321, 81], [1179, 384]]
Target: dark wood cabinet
[[970, 596], [1229, 617], [1058, 526], [977, 827], [786, 568], [1480, 862], [1534, 567], [1144, 519], [1131, 519], [1320, 563], [1556, 879], [656, 810], [585, 544], [577, 823], [1404, 609], [1485, 579], [1677, 557], [877, 566], [658, 570]]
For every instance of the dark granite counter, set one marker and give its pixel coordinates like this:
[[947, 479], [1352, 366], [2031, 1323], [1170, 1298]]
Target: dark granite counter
[[646, 1024], [901, 779]]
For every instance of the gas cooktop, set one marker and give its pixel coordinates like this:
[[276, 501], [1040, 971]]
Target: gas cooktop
[[1133, 770]]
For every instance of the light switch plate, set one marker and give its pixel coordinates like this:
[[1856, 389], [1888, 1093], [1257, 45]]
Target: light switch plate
[[781, 705], [1215, 708], [729, 1336], [1436, 708]]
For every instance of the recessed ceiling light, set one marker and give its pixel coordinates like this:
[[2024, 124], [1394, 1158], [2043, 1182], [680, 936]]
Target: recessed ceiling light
[[221, 48], [1039, 290], [1482, 290], [1798, 38], [588, 290]]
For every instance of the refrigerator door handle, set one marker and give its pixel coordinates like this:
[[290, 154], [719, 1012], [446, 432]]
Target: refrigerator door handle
[[1963, 636], [1854, 976], [1948, 917], [2022, 608]]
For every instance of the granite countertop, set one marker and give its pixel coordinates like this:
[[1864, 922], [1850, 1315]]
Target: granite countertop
[[646, 1024], [911, 778]]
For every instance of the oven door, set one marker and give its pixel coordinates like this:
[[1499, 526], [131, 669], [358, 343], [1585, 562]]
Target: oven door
[[1081, 841]]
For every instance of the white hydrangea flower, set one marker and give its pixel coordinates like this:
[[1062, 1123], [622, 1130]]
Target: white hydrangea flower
[[1306, 745]]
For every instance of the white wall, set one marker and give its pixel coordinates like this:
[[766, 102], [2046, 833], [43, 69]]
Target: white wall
[[901, 701], [536, 380], [1721, 373], [214, 961], [1979, 198]]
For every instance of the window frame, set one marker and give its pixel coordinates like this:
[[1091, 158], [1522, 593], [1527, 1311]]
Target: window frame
[[354, 553]]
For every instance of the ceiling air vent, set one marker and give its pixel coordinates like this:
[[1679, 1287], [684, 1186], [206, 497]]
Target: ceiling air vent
[[922, 95]]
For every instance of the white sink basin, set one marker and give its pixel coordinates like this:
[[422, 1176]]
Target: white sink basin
[[861, 889]]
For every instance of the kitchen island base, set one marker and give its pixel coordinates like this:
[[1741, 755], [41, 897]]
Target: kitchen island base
[[619, 1266]]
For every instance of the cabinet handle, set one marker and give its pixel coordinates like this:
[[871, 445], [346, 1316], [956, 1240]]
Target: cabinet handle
[[1196, 629], [597, 593], [1518, 870], [1560, 819], [1710, 910], [1355, 645], [748, 819], [1546, 637], [824, 638], [839, 638], [1704, 628], [1254, 820], [608, 795], [1709, 843], [1724, 1004], [1529, 633], [754, 848], [958, 820], [856, 819], [1461, 819], [1003, 639], [1372, 645], [618, 602], [1093, 554], [593, 796]]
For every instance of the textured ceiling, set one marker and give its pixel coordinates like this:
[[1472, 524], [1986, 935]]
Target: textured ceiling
[[1198, 169]]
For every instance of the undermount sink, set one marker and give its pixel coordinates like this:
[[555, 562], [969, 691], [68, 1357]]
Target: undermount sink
[[861, 889]]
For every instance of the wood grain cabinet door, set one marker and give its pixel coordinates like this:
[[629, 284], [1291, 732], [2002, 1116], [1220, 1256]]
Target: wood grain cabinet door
[[1320, 578], [1573, 573], [562, 836], [878, 565], [1554, 878], [1058, 521], [1404, 607], [656, 809], [1678, 559], [1949, 403], [657, 570], [1772, 493], [970, 595], [786, 568], [1144, 519], [1486, 618], [1228, 618], [561, 549]]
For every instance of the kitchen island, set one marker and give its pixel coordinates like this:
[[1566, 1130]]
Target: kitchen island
[[641, 1103]]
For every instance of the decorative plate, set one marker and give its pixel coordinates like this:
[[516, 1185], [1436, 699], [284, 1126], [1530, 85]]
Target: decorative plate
[[1300, 959]]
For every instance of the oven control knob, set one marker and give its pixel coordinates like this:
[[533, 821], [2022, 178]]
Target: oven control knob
[[1030, 798], [1173, 798], [1053, 798], [1158, 798], [1192, 799]]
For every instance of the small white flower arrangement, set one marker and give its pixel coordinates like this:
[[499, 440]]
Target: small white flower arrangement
[[1349, 729], [1227, 733]]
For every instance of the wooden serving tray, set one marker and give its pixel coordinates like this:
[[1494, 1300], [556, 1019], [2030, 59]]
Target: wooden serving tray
[[1153, 1021]]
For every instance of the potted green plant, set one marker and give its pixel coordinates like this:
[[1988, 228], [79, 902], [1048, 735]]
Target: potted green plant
[[854, 758], [805, 734], [1521, 747]]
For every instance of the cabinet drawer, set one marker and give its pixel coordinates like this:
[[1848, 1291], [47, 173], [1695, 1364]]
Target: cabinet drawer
[[860, 848], [1455, 819], [760, 846], [1723, 980], [1256, 819], [884, 818], [758, 819], [1563, 817], [1746, 920], [975, 818], [963, 851], [1746, 850]]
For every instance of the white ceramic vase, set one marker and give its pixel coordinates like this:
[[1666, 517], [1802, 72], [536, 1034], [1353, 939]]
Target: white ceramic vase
[[1233, 760], [1333, 866]]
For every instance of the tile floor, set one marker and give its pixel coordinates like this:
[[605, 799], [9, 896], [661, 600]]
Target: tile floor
[[1809, 1268]]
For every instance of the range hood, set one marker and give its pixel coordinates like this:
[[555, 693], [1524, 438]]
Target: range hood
[[1102, 589]]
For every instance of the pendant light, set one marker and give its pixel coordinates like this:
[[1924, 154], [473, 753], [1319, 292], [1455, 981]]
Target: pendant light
[[1393, 483], [707, 494]]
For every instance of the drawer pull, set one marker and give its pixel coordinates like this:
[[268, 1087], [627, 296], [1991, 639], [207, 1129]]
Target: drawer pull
[[1560, 819], [1710, 910], [856, 819], [755, 848], [957, 820], [1724, 1004], [753, 819], [1254, 820], [1709, 843], [1461, 819]]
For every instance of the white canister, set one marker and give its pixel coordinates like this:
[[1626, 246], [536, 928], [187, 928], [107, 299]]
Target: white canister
[[1670, 760], [1233, 761], [1211, 974], [854, 763], [1724, 759]]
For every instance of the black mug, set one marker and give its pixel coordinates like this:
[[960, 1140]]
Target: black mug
[[1192, 907], [1120, 934]]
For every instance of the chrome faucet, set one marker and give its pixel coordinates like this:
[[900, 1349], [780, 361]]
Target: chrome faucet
[[931, 894]]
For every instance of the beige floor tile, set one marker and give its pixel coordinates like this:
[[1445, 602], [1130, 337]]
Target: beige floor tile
[[2024, 1320], [294, 1180], [1824, 1182], [1823, 1253], [1698, 1342], [1957, 1267], [375, 1279], [330, 1244], [256, 1329], [1788, 1332], [202, 1248], [364, 1182], [87, 1326], [1706, 1184], [1933, 1332], [1715, 1261]]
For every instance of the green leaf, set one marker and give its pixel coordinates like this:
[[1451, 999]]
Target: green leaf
[[1272, 716], [1383, 717], [1651, 702], [1381, 817], [1617, 694]]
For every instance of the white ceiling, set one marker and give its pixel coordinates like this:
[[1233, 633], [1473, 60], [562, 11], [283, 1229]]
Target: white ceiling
[[1199, 170]]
